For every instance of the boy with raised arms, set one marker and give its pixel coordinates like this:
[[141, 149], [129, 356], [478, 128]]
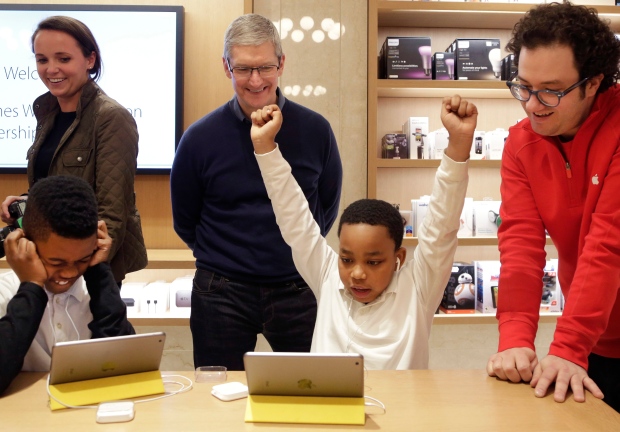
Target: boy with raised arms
[[370, 300]]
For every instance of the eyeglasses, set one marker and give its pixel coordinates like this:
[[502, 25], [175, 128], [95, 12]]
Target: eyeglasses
[[548, 98], [267, 71]]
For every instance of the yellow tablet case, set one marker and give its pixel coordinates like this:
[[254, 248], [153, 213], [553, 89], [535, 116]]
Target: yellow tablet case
[[93, 391], [305, 409]]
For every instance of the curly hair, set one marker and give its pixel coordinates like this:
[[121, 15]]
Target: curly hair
[[376, 213], [595, 47], [64, 205]]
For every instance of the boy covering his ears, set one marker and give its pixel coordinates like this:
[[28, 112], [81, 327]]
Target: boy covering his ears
[[370, 301], [61, 287]]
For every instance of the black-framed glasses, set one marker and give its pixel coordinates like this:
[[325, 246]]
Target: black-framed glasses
[[550, 98], [267, 71]]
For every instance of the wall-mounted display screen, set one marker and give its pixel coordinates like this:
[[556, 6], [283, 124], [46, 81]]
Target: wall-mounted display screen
[[142, 52]]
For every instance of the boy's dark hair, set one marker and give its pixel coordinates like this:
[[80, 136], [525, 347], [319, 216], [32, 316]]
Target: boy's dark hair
[[64, 205], [377, 213], [595, 47], [78, 31]]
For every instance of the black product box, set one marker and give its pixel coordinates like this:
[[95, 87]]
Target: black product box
[[509, 69], [476, 59], [406, 58], [394, 146], [460, 293], [443, 66]]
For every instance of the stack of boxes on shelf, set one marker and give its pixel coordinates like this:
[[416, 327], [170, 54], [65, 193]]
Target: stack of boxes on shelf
[[416, 142], [463, 59], [473, 288], [478, 218], [156, 299]]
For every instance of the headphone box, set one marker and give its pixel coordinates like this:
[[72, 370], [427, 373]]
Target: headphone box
[[155, 298], [459, 295]]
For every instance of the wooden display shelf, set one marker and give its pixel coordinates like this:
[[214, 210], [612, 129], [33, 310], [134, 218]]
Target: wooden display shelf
[[465, 15], [170, 259], [407, 88], [431, 163], [466, 241]]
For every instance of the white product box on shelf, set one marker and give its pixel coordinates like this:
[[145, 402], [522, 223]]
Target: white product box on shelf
[[487, 282], [439, 143], [416, 130], [181, 295], [131, 293], [494, 143], [419, 208], [486, 216], [477, 146], [155, 298], [466, 223]]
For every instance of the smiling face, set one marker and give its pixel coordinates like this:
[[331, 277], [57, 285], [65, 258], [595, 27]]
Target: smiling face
[[62, 66], [553, 68], [367, 260], [255, 91], [65, 260]]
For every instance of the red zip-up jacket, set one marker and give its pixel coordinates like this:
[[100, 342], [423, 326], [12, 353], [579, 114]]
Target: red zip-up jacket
[[575, 195]]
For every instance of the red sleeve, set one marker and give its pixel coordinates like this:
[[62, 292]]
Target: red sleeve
[[522, 253]]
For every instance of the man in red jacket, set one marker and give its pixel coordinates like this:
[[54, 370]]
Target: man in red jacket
[[561, 175]]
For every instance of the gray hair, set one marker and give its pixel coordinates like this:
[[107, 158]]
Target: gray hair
[[253, 30]]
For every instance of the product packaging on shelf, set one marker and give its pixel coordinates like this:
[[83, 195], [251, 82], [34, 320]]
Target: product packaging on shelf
[[494, 143], [487, 283], [181, 295], [155, 298], [406, 58], [477, 148], [419, 208], [459, 296], [509, 69], [394, 146], [486, 218], [131, 293], [443, 66], [466, 222], [551, 300], [476, 59], [416, 130]]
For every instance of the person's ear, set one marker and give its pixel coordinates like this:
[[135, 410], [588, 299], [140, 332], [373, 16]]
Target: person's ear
[[401, 254], [226, 70], [593, 84]]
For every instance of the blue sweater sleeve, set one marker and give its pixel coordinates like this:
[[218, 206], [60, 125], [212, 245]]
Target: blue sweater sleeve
[[186, 190], [330, 184]]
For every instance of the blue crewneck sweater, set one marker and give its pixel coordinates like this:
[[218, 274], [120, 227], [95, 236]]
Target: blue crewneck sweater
[[220, 206]]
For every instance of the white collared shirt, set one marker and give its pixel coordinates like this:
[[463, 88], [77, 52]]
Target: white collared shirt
[[66, 318], [391, 332]]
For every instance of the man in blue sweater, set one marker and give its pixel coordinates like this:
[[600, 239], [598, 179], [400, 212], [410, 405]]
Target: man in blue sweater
[[246, 282]]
